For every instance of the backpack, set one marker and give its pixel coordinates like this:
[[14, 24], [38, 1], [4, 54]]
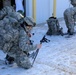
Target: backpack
[[54, 27]]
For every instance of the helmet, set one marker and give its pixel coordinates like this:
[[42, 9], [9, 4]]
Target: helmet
[[29, 21]]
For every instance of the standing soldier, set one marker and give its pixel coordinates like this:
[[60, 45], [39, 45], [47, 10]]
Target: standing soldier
[[69, 17]]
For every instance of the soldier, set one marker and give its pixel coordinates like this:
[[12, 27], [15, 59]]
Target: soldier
[[26, 45], [9, 28], [13, 39], [9, 59], [69, 17]]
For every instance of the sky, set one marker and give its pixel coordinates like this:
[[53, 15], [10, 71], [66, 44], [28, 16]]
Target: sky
[[58, 57]]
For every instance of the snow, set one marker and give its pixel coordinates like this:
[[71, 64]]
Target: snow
[[58, 57]]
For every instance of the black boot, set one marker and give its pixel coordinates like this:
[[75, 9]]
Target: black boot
[[9, 60], [70, 32]]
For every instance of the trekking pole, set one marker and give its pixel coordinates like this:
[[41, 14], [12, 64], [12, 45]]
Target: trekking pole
[[37, 51]]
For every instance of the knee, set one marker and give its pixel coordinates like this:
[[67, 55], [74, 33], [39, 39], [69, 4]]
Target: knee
[[23, 62]]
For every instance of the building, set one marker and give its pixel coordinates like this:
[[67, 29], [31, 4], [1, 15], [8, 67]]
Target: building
[[41, 10], [44, 9]]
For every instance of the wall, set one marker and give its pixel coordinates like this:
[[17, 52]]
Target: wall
[[61, 6], [44, 9], [28, 8]]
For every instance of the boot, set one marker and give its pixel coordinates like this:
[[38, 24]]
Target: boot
[[9, 60], [70, 32]]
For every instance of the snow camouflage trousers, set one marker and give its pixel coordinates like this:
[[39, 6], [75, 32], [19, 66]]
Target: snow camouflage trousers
[[23, 61], [69, 17]]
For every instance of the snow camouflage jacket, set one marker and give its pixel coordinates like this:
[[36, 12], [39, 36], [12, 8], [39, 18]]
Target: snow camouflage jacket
[[13, 37]]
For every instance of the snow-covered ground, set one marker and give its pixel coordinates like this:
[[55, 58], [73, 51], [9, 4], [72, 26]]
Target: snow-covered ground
[[58, 57]]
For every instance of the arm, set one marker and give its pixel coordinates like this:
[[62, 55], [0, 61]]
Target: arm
[[23, 42]]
